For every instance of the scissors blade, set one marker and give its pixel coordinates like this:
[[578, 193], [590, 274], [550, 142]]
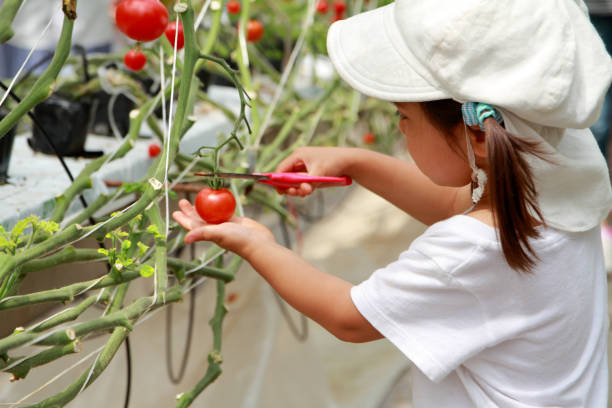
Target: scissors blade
[[233, 175]]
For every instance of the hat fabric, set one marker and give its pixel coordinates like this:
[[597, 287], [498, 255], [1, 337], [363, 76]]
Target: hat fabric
[[542, 64]]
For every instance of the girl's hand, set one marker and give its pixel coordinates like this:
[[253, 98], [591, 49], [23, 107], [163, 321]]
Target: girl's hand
[[316, 161], [239, 235]]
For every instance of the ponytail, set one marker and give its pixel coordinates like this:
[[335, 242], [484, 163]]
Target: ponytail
[[511, 186], [513, 194]]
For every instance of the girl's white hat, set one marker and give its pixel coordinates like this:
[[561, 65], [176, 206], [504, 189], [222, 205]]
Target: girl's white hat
[[542, 64]]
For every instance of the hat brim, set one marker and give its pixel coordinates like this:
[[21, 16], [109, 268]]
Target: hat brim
[[368, 52]]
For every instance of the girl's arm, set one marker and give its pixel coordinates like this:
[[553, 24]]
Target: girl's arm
[[397, 181], [322, 297]]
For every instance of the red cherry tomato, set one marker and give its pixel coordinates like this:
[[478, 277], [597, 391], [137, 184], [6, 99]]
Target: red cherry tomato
[[233, 7], [154, 150], [170, 33], [134, 59], [254, 31], [215, 206], [141, 20], [369, 138], [339, 6], [337, 17], [322, 6]]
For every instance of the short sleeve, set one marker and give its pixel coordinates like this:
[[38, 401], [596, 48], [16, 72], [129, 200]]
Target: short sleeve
[[423, 309]]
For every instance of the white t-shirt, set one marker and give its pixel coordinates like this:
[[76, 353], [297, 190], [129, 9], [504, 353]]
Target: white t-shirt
[[482, 334]]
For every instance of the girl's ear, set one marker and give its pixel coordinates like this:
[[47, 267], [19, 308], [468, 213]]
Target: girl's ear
[[478, 140]]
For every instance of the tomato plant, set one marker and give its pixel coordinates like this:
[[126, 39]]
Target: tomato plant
[[170, 33], [254, 31], [154, 150], [233, 7], [215, 206], [135, 59], [141, 20], [322, 6]]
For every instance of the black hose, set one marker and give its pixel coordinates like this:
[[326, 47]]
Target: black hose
[[128, 356]]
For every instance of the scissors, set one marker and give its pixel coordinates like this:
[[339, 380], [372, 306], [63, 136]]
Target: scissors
[[285, 180]]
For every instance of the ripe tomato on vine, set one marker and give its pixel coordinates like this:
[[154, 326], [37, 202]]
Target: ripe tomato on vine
[[134, 59], [154, 150], [369, 138], [254, 31], [141, 20], [215, 206], [170, 33], [339, 7], [233, 7], [322, 6]]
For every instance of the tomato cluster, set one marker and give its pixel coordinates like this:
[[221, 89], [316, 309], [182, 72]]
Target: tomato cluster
[[142, 21]]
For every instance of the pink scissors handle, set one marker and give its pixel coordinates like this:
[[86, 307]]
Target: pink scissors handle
[[285, 180]]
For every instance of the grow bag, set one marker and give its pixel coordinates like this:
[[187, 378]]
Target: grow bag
[[66, 123]]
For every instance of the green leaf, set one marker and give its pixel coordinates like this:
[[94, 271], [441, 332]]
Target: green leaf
[[4, 242], [103, 251], [180, 274], [49, 226], [131, 187], [21, 225], [147, 271], [142, 248], [172, 194], [125, 245], [152, 229]]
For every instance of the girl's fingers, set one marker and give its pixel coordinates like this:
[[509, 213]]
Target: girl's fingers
[[290, 164], [202, 233], [188, 209], [306, 188], [186, 222]]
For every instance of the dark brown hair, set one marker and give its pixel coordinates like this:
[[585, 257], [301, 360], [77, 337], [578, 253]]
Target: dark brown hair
[[510, 182]]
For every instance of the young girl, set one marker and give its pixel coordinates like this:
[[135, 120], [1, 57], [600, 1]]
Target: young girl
[[502, 302]]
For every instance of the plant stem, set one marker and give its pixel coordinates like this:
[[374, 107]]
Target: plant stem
[[224, 274], [214, 357], [104, 358], [43, 87], [161, 255], [67, 293], [22, 369], [69, 314], [8, 11], [88, 212]]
